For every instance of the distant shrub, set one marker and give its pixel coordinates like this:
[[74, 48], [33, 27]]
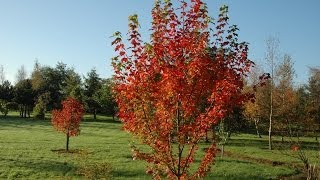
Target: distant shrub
[[95, 171]]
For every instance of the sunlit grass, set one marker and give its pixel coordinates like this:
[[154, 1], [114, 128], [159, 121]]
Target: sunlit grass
[[30, 149]]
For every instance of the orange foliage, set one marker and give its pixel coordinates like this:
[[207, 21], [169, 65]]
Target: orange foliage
[[68, 119], [172, 90]]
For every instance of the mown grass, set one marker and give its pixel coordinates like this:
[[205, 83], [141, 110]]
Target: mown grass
[[31, 149]]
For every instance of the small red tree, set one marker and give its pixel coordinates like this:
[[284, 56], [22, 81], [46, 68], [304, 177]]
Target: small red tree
[[67, 120], [172, 90]]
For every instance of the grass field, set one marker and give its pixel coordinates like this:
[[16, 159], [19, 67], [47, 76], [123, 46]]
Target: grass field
[[30, 149]]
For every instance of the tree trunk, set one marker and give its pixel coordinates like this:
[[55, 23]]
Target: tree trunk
[[21, 111], [270, 134], [270, 120], [25, 111], [213, 135], [207, 139], [229, 134], [28, 111], [94, 114], [67, 144], [222, 150], [257, 127]]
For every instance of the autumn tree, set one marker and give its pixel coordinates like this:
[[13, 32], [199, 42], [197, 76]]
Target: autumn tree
[[285, 97], [171, 91], [257, 110], [67, 120]]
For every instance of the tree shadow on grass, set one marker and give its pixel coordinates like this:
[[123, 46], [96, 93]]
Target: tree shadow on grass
[[16, 122], [43, 166], [235, 177], [130, 174], [263, 143], [104, 120]]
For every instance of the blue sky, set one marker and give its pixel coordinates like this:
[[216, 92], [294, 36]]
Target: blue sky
[[77, 32]]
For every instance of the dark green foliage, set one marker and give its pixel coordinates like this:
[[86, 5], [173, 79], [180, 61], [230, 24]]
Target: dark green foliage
[[314, 95], [60, 82], [4, 107], [92, 86], [108, 102], [6, 96], [24, 96]]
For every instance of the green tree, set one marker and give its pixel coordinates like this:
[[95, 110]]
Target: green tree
[[72, 86], [313, 108], [41, 93], [55, 82], [107, 99], [40, 108], [24, 96], [92, 86], [6, 96], [301, 108]]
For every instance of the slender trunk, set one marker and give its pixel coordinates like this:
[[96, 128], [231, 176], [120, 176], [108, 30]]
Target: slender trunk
[[257, 127], [28, 111], [94, 114], [21, 110], [25, 111], [179, 145], [222, 150], [207, 139], [270, 134], [67, 144], [270, 117], [213, 134]]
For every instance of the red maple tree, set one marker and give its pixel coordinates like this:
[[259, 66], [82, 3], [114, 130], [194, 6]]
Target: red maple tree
[[172, 90], [67, 120]]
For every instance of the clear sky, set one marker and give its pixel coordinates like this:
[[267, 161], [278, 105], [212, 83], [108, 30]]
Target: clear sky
[[77, 32]]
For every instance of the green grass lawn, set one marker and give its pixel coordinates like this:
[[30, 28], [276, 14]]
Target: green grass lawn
[[30, 150]]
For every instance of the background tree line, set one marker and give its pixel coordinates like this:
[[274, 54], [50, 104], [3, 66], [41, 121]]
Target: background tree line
[[47, 86], [281, 107]]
